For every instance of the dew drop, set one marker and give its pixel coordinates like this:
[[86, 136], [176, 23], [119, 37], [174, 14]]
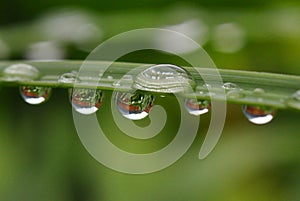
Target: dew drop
[[259, 91], [294, 100], [68, 78], [134, 106], [258, 114], [86, 101], [229, 86], [207, 86], [235, 94], [127, 77], [197, 107], [35, 95], [233, 91], [116, 83], [19, 72], [164, 78]]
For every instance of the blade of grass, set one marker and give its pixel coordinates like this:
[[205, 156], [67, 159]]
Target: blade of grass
[[255, 88]]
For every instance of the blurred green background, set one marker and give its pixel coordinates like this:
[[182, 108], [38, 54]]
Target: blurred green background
[[41, 156]]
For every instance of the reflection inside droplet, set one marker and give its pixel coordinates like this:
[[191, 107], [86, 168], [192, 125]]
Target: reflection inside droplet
[[197, 107], [34, 94], [134, 106], [258, 114], [86, 101]]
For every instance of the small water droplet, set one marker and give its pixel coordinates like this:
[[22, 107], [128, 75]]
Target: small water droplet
[[34, 94], [229, 86], [127, 77], [197, 107], [86, 101], [235, 94], [259, 91], [207, 86], [110, 77], [164, 78], [67, 78], [294, 100], [116, 83], [19, 72], [233, 91], [134, 106], [258, 114]]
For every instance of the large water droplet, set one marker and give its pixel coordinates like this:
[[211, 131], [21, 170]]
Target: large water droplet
[[86, 101], [19, 72], [294, 100], [197, 107], [34, 94], [164, 78], [134, 106], [258, 114]]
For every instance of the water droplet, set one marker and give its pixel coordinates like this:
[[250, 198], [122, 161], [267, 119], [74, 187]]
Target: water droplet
[[235, 94], [259, 91], [34, 94], [233, 91], [110, 77], [229, 86], [258, 114], [127, 77], [197, 107], [67, 78], [207, 86], [86, 101], [116, 83], [134, 106], [294, 100], [19, 72], [164, 78]]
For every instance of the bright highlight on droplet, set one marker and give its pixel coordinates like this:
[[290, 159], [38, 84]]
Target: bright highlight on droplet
[[164, 78], [86, 101], [258, 114], [35, 95], [134, 106], [197, 107]]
